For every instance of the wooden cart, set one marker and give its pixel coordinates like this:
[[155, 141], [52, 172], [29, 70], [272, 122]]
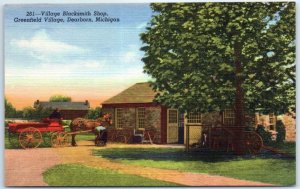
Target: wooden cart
[[30, 133]]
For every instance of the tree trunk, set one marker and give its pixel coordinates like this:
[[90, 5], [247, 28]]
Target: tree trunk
[[239, 95]]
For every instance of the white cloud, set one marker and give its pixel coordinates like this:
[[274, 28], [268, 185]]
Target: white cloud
[[131, 57], [41, 45]]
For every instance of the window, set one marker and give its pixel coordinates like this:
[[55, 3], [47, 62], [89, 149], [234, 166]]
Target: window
[[140, 118], [173, 116], [195, 118], [120, 118], [272, 121], [228, 117]]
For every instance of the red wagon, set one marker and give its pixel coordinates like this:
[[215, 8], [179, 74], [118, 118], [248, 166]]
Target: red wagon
[[30, 133]]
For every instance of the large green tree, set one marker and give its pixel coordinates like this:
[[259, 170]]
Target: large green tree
[[210, 56]]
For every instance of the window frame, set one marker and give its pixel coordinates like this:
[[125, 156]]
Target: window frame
[[198, 118], [230, 117], [142, 119], [170, 117], [122, 117]]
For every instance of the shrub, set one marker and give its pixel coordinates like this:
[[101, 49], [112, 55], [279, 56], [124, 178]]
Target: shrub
[[265, 135], [280, 128], [66, 122], [94, 113]]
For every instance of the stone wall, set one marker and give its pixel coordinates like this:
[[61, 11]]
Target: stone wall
[[290, 127], [288, 121], [152, 119]]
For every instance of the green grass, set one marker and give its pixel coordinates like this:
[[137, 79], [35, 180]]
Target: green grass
[[79, 175], [264, 168]]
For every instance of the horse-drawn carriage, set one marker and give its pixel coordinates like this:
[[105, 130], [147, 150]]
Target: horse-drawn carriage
[[30, 133]]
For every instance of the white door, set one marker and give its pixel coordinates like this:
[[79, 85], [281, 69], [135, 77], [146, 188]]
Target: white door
[[172, 126]]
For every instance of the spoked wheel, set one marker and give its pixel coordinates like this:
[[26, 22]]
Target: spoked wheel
[[120, 139], [253, 142], [59, 139], [30, 138]]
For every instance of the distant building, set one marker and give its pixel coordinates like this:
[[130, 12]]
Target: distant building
[[69, 110]]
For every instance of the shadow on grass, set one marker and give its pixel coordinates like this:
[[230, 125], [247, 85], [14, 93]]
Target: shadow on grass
[[177, 155], [164, 154]]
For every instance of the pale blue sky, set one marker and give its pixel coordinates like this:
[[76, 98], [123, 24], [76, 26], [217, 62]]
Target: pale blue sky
[[83, 60]]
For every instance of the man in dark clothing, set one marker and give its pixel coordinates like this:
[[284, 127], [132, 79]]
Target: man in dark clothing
[[55, 114]]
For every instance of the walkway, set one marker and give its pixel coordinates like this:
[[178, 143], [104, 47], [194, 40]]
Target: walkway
[[25, 167]]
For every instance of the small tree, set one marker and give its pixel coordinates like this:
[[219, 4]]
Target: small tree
[[28, 112], [94, 113], [36, 113], [60, 98], [10, 110]]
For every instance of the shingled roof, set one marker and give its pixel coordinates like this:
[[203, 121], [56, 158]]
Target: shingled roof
[[63, 105], [138, 93]]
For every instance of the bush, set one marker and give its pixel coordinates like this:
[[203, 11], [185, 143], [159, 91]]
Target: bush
[[66, 122], [94, 113], [280, 128], [36, 113], [265, 135]]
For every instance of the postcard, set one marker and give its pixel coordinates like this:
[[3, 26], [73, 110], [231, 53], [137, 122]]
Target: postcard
[[150, 94]]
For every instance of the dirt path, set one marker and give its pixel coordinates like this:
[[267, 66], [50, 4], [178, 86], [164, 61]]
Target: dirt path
[[83, 154], [25, 167]]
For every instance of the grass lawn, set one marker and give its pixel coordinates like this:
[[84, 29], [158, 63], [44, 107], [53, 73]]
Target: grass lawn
[[79, 175], [256, 168]]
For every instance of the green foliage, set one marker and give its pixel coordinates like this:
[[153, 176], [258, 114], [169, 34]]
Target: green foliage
[[94, 113], [10, 111], [262, 169], [36, 113], [79, 175], [192, 50], [60, 98], [66, 122], [265, 135], [280, 128]]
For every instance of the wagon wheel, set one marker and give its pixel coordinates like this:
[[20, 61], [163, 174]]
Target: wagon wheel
[[120, 139], [253, 142], [59, 139], [30, 138]]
